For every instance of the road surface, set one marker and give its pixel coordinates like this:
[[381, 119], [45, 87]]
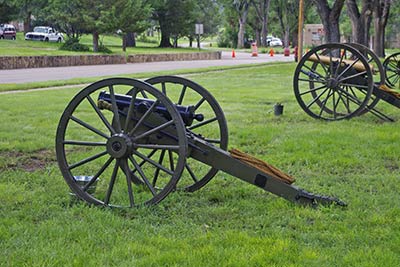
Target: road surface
[[65, 73]]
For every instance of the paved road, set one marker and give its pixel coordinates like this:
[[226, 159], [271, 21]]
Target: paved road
[[65, 73]]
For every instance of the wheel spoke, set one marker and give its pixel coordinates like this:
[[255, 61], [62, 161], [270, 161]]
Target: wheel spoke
[[83, 143], [88, 126], [202, 123], [171, 160], [134, 92], [112, 182], [100, 114], [97, 175], [213, 141], [152, 162], [182, 95], [115, 109], [129, 179], [157, 172], [156, 129], [191, 173], [144, 178], [87, 160], [316, 99], [145, 115], [199, 103], [313, 90], [163, 89], [151, 146]]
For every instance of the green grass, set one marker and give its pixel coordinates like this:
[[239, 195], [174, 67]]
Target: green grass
[[228, 222], [20, 47]]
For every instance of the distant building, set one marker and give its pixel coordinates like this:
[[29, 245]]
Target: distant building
[[314, 34]]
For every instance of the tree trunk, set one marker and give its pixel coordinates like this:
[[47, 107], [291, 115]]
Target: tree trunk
[[130, 39], [243, 10], [165, 34], [262, 10], [124, 42], [190, 41], [240, 42], [330, 18], [27, 23], [95, 41], [360, 20], [381, 10]]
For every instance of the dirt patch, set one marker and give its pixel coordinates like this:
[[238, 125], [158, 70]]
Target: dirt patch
[[27, 161]]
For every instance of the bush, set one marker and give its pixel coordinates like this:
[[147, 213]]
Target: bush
[[72, 44], [104, 49]]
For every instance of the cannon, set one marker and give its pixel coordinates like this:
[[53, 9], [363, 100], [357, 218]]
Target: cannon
[[340, 81], [134, 142]]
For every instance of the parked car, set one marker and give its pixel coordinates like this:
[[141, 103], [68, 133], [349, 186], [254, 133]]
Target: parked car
[[44, 33], [7, 31], [275, 42]]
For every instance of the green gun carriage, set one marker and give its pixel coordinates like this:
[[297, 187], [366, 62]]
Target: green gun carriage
[[137, 141]]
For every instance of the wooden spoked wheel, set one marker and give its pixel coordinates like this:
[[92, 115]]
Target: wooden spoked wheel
[[105, 150], [392, 70], [333, 82], [212, 127]]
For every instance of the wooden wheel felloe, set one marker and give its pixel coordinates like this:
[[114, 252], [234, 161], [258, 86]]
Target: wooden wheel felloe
[[113, 145], [212, 127], [392, 70], [333, 82]]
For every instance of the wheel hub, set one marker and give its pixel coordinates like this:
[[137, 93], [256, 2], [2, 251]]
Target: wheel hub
[[332, 83], [119, 146]]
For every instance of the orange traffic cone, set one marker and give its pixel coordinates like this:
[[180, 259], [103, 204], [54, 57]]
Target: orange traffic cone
[[254, 50], [271, 52], [233, 53]]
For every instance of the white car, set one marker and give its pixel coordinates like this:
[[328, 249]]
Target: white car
[[44, 33], [275, 42]]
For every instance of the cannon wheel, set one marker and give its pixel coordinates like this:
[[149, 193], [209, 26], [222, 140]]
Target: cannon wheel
[[327, 85], [378, 73], [102, 145], [213, 128], [392, 70]]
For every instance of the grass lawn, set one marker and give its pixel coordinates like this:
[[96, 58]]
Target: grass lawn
[[228, 222]]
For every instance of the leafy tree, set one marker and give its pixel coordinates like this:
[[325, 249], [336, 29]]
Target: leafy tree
[[27, 8], [66, 16], [175, 18], [7, 12], [127, 16]]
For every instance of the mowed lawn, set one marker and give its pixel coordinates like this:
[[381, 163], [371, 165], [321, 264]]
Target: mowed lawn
[[228, 222]]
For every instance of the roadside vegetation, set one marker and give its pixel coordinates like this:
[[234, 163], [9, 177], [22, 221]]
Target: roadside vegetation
[[228, 222]]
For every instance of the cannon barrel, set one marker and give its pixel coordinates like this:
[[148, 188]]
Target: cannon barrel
[[359, 66], [141, 104]]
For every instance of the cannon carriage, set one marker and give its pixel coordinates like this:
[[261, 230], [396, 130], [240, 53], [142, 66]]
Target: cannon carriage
[[340, 81], [123, 142]]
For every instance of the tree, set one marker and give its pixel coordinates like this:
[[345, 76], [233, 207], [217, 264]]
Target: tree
[[360, 20], [27, 8], [330, 18], [66, 16], [7, 12], [175, 18], [127, 16], [380, 11], [242, 9], [262, 10]]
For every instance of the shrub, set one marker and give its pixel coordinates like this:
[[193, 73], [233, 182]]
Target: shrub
[[104, 49], [72, 44]]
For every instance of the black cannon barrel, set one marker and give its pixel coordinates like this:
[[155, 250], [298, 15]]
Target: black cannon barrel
[[142, 104]]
